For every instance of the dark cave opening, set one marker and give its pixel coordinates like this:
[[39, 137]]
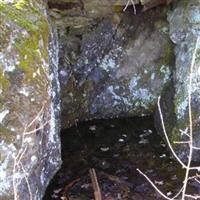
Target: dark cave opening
[[114, 148]]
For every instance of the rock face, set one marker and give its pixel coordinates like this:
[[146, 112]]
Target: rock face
[[29, 108], [184, 31], [115, 66], [111, 64]]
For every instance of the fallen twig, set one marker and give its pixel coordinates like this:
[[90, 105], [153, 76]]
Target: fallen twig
[[95, 184], [68, 186]]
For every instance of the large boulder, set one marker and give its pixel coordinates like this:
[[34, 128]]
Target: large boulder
[[29, 108], [116, 66], [184, 31]]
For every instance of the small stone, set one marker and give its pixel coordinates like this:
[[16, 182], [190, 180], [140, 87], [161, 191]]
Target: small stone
[[104, 149], [169, 193], [143, 141], [93, 128], [159, 182]]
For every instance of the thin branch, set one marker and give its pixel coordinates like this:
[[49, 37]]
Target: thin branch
[[158, 190], [133, 4], [37, 129], [197, 180], [192, 196], [191, 177], [27, 182], [14, 184], [95, 184], [190, 120], [197, 175], [184, 132], [181, 142], [20, 156], [37, 116], [196, 148], [194, 168], [166, 136], [179, 192]]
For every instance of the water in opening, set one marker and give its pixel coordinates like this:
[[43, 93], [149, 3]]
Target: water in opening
[[114, 148]]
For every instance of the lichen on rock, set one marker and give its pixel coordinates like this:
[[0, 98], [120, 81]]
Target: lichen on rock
[[113, 66], [184, 30], [26, 148]]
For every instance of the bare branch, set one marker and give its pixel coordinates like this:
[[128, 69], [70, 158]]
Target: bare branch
[[194, 168], [14, 183], [192, 196], [37, 129], [158, 190], [18, 158], [196, 148], [190, 121], [184, 132], [37, 116], [166, 136], [181, 142], [20, 155], [133, 4], [27, 182], [197, 180], [95, 184]]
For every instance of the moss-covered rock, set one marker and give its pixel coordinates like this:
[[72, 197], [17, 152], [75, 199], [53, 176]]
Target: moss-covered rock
[[27, 132]]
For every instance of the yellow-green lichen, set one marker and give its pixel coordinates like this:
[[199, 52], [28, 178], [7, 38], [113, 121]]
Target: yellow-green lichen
[[6, 134], [20, 4], [162, 26], [4, 82], [168, 57], [28, 44], [16, 16], [29, 51], [4, 36], [198, 54]]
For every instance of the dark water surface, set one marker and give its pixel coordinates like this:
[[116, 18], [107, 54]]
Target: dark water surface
[[115, 148]]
